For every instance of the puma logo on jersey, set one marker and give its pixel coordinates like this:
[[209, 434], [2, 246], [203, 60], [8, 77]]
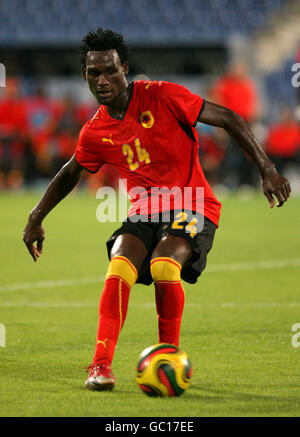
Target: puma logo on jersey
[[103, 342], [107, 140]]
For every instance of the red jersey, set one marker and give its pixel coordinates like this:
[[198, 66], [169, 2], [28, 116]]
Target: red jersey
[[155, 144], [237, 94], [283, 139]]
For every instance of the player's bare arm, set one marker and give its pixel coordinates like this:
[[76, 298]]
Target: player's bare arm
[[273, 183], [61, 185]]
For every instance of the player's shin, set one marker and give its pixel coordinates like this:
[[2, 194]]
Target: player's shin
[[113, 305], [170, 298]]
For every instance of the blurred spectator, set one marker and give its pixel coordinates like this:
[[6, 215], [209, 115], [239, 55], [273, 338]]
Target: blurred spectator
[[283, 141], [12, 109], [53, 132], [211, 152], [237, 91], [12, 141], [40, 113], [71, 115]]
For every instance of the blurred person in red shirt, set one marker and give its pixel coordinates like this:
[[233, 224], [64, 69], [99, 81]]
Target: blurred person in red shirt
[[52, 133], [237, 91], [283, 141], [12, 140], [12, 110]]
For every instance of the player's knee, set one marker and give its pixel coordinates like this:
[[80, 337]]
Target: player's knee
[[122, 267], [165, 269], [130, 247]]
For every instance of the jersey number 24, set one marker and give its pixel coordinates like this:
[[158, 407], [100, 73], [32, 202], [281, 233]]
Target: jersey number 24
[[142, 155]]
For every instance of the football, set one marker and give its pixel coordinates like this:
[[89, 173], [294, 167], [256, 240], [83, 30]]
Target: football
[[163, 370]]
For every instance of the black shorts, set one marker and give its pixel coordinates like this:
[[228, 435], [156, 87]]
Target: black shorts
[[199, 233]]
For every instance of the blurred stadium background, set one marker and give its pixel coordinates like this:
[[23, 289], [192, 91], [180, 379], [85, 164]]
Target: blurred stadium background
[[235, 52]]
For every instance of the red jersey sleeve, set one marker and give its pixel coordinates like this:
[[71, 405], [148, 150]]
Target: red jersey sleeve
[[86, 148], [185, 105]]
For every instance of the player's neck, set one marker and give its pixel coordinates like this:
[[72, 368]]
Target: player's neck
[[120, 104]]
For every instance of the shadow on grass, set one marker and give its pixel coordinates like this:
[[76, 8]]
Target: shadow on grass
[[245, 402]]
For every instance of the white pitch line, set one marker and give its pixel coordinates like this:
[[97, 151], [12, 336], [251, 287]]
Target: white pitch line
[[233, 267], [269, 264], [52, 284], [152, 305]]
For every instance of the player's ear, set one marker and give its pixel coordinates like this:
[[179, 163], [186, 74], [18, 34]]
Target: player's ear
[[125, 68], [83, 72]]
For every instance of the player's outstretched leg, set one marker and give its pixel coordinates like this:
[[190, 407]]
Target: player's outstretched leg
[[165, 267], [121, 276]]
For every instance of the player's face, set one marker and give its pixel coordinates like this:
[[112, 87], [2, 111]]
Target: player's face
[[106, 76]]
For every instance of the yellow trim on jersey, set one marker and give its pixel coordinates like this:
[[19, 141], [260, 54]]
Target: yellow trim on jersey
[[121, 267]]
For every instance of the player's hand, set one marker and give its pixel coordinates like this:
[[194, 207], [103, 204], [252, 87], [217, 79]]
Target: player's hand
[[34, 233], [276, 185]]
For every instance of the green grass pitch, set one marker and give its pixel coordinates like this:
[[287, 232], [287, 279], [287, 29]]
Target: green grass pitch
[[236, 329]]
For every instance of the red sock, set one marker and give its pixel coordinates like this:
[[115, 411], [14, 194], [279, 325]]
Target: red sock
[[170, 298], [169, 305], [113, 308]]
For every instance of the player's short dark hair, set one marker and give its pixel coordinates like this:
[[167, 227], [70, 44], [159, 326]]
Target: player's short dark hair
[[103, 40]]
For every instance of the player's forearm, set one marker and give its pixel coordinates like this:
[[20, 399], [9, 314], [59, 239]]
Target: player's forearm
[[60, 186], [238, 129]]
